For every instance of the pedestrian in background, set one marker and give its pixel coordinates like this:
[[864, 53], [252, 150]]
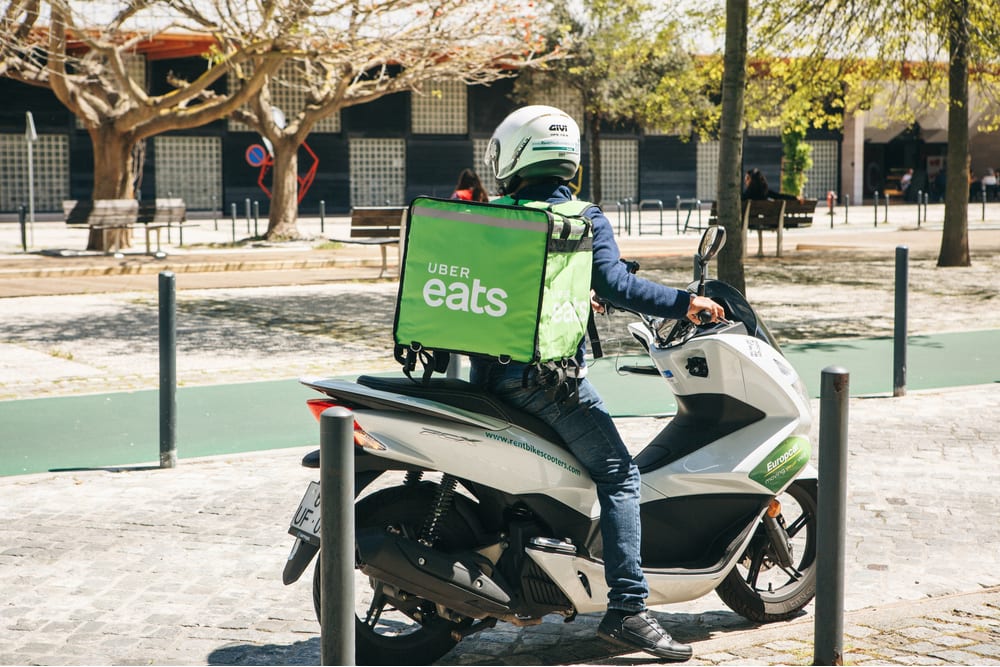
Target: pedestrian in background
[[469, 187]]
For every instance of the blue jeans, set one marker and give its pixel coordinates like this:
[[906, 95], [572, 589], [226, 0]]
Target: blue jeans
[[588, 431]]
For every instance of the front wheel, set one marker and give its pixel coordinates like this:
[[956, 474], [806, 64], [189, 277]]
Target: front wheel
[[388, 631], [759, 588]]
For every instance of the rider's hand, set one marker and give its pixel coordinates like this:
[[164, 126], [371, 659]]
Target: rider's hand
[[700, 303], [597, 306]]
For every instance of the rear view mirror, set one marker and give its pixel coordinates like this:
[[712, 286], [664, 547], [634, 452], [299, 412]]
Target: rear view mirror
[[711, 242]]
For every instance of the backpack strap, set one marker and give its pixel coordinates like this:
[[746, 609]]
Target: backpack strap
[[433, 361]]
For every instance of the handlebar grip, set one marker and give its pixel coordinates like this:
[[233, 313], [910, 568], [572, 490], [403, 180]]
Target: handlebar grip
[[704, 316]]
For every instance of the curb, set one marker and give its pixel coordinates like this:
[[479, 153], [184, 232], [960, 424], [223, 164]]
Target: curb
[[207, 266]]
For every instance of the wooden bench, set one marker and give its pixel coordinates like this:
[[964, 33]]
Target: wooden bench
[[377, 225], [772, 215], [799, 213], [110, 217], [163, 213]]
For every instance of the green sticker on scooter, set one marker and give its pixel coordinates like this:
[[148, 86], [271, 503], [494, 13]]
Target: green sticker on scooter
[[783, 463]]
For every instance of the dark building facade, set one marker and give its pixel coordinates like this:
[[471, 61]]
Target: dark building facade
[[386, 151]]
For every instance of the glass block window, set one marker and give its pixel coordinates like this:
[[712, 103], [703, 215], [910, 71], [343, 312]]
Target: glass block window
[[440, 109], [708, 170], [50, 163], [378, 172], [766, 132], [822, 176], [556, 94], [478, 151], [289, 93], [190, 168], [619, 169], [485, 175]]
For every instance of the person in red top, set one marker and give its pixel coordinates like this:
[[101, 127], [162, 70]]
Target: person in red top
[[469, 187]]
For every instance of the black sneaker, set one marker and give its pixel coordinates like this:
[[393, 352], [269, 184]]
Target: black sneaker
[[639, 630]]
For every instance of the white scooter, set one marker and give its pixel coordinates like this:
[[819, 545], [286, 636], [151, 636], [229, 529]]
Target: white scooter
[[479, 515]]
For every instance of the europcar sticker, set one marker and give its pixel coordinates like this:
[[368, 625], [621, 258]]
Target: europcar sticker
[[783, 463]]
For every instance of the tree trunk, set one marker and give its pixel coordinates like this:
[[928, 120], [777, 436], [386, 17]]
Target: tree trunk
[[281, 223], [955, 237], [112, 180], [731, 144], [596, 191]]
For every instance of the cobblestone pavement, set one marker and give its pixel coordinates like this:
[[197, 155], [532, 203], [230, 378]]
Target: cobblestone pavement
[[183, 566]]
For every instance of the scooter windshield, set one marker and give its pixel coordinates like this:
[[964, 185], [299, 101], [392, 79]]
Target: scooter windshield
[[738, 309]]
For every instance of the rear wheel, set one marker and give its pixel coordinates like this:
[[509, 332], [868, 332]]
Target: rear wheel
[[387, 631], [759, 588]]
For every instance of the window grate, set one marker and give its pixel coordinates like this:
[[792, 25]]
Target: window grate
[[378, 172], [619, 169], [50, 163], [441, 109], [190, 168], [707, 170], [822, 177]]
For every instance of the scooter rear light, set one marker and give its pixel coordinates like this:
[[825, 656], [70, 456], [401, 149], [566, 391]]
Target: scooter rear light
[[361, 437], [774, 508], [318, 405]]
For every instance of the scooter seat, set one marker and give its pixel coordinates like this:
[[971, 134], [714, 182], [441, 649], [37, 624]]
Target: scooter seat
[[464, 395]]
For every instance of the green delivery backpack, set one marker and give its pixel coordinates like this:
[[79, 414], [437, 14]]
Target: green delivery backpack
[[501, 280]]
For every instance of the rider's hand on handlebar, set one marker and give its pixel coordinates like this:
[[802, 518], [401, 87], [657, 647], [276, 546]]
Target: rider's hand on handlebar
[[703, 303]]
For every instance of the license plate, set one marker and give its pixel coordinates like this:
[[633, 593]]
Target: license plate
[[306, 520]]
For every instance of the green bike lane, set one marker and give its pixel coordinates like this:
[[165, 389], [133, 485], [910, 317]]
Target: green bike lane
[[121, 429]]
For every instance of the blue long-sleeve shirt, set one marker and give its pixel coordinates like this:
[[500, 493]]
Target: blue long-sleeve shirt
[[610, 278]]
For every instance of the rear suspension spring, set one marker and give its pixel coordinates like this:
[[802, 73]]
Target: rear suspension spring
[[442, 504]]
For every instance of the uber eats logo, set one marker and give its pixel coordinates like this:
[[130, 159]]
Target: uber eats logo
[[456, 292]]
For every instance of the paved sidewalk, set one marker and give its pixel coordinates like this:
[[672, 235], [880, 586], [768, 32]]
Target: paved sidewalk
[[140, 565]]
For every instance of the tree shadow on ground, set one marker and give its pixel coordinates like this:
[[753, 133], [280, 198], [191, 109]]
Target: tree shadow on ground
[[529, 647], [306, 652]]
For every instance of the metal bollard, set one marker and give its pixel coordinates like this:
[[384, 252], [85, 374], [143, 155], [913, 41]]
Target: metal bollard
[[876, 208], [322, 214], [847, 206], [984, 202], [831, 517], [22, 217], [168, 370], [336, 483], [234, 222], [215, 213], [256, 216], [920, 201], [170, 195], [899, 325], [886, 208], [246, 207]]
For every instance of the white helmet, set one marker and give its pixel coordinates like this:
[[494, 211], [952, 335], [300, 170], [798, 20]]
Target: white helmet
[[534, 141]]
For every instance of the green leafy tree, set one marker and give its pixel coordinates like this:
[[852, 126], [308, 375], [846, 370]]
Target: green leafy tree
[[796, 160], [625, 60], [902, 59]]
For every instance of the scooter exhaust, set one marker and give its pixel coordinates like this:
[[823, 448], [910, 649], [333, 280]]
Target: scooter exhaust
[[456, 581]]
